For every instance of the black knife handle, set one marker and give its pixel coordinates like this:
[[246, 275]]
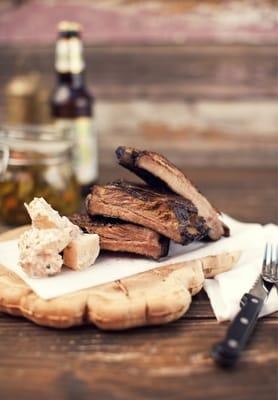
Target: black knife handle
[[227, 352]]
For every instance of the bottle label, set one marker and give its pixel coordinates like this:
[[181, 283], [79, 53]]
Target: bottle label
[[85, 148], [76, 62], [86, 154], [62, 56], [69, 56]]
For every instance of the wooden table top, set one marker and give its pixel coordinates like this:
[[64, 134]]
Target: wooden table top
[[166, 362]]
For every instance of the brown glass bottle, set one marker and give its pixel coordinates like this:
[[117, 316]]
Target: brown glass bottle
[[72, 104]]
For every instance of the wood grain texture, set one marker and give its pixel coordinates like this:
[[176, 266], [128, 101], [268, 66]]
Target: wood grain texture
[[170, 362], [206, 98], [143, 21], [184, 72], [155, 297], [224, 134]]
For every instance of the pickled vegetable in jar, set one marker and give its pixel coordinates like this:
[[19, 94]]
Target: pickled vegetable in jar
[[35, 162]]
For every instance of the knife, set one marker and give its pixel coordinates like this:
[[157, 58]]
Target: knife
[[227, 352]]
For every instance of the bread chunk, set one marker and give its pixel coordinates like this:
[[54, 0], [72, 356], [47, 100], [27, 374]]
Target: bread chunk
[[82, 252], [43, 216], [50, 235], [39, 251]]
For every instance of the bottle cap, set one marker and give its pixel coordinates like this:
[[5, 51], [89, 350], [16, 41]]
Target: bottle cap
[[69, 26], [64, 26], [75, 26]]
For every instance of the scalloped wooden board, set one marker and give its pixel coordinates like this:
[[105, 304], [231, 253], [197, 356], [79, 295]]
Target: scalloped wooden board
[[154, 297]]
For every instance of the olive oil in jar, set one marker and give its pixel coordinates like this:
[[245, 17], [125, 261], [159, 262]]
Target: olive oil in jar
[[35, 162]]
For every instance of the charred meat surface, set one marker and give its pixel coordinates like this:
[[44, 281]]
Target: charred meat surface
[[160, 173], [116, 235], [168, 214]]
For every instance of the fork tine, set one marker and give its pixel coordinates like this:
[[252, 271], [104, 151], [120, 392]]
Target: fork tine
[[265, 258], [276, 264], [272, 262], [269, 264]]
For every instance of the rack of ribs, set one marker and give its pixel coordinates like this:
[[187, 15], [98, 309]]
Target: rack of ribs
[[166, 213], [120, 236], [160, 173]]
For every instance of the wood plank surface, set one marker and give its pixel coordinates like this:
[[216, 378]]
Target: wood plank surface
[[206, 98], [169, 362], [142, 21], [203, 132], [187, 72]]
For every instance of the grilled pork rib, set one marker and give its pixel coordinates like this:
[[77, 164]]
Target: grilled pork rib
[[117, 235], [160, 173], [168, 214]]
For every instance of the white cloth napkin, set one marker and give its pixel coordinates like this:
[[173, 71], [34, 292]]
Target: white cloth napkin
[[224, 291]]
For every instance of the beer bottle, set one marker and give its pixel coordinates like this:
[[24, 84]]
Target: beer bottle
[[72, 104]]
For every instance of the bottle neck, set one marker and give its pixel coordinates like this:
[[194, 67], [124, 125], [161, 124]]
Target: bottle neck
[[76, 81], [69, 62]]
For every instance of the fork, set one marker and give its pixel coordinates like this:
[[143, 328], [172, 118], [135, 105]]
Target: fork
[[227, 352]]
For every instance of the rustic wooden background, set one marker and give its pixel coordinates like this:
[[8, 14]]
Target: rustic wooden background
[[196, 80]]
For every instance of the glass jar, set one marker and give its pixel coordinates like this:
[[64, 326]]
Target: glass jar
[[35, 162]]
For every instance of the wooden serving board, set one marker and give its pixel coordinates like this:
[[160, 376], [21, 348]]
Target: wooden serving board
[[154, 297]]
